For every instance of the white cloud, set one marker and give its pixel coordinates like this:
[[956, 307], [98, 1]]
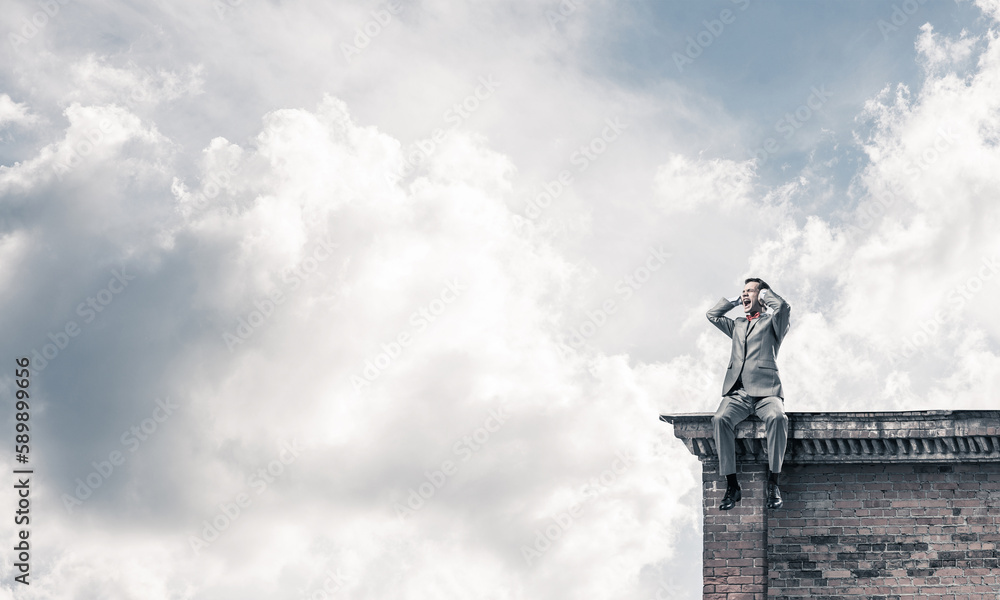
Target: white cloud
[[94, 80], [684, 184], [943, 53], [321, 176], [14, 112], [95, 138], [256, 199], [904, 282]]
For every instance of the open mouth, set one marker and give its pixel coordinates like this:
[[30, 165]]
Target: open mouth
[[746, 302]]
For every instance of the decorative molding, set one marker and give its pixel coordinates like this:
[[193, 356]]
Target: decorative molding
[[857, 437]]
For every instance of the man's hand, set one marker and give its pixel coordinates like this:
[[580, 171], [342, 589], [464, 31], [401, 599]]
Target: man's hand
[[736, 300]]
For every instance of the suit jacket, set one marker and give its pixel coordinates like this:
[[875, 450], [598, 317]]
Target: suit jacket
[[755, 345]]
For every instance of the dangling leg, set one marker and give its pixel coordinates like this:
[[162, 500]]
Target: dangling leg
[[771, 411], [733, 410]]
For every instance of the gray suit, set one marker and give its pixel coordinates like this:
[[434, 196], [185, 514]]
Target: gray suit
[[751, 385]]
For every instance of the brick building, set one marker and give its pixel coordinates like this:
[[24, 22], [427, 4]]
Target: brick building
[[878, 505]]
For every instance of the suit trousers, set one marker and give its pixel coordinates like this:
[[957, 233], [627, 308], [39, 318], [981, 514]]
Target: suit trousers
[[735, 408]]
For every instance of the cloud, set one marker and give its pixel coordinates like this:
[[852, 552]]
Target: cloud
[[96, 134], [888, 296], [684, 184], [895, 291], [14, 112], [373, 390], [94, 79], [938, 53], [438, 259]]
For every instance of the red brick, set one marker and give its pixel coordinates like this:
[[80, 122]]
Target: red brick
[[894, 529]]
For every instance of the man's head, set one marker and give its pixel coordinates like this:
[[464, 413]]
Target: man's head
[[751, 293]]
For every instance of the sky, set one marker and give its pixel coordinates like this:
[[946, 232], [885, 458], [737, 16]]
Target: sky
[[371, 300]]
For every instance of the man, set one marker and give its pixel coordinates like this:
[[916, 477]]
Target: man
[[751, 385]]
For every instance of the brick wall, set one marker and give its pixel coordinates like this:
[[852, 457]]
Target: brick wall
[[886, 531], [735, 547], [878, 505]]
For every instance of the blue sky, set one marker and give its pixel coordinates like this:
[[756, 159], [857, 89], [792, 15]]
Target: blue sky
[[471, 249]]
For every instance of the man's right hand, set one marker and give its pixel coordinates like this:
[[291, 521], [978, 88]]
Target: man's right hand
[[736, 300]]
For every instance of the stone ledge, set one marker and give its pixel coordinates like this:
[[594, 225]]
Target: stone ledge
[[857, 437]]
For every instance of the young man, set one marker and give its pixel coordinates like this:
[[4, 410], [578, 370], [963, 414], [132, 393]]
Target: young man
[[751, 385]]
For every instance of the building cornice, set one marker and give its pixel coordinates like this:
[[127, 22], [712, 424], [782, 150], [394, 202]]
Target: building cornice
[[857, 437]]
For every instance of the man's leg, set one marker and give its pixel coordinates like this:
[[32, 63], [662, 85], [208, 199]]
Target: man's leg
[[771, 411], [733, 410]]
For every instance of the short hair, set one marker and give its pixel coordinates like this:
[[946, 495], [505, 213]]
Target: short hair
[[763, 284]]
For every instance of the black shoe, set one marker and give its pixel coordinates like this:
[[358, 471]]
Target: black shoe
[[773, 496], [733, 495]]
